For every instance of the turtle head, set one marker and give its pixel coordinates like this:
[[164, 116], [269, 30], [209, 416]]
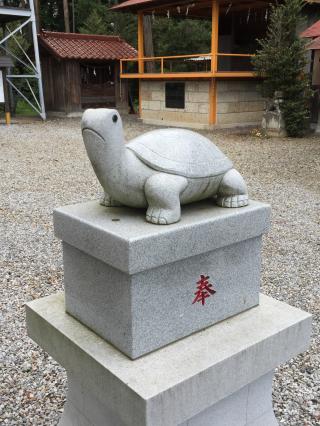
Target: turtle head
[[105, 124], [103, 137]]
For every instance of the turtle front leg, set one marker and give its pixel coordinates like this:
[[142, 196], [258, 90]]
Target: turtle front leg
[[107, 201], [162, 192], [232, 191]]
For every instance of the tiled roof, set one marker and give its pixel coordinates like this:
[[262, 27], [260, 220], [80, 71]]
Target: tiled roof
[[313, 31], [129, 4], [134, 5], [315, 44], [86, 46]]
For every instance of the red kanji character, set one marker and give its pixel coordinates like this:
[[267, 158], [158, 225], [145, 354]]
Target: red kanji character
[[205, 290]]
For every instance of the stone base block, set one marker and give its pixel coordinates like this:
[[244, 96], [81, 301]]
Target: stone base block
[[249, 406], [217, 377], [273, 124], [136, 284]]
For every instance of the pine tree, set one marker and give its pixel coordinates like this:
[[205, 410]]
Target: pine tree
[[95, 24], [102, 20], [281, 60]]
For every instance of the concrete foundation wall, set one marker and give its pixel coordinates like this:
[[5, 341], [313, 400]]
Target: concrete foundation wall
[[239, 102], [196, 111]]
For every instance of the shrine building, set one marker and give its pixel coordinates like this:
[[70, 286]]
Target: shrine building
[[214, 88], [313, 34], [82, 71]]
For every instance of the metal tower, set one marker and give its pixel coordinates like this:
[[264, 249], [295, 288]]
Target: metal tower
[[22, 14]]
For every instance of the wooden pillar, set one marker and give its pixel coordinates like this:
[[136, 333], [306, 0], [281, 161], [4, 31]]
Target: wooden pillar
[[6, 97], [121, 89], [117, 83], [214, 62], [215, 36], [213, 101], [140, 43], [140, 100]]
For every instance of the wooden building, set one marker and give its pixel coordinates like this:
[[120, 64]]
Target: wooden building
[[313, 33], [214, 88], [82, 71]]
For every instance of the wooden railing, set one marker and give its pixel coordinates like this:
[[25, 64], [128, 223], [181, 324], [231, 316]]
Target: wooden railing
[[188, 66]]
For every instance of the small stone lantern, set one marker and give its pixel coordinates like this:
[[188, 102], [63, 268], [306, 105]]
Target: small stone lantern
[[272, 120]]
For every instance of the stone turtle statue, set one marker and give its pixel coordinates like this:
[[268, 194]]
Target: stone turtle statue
[[159, 170]]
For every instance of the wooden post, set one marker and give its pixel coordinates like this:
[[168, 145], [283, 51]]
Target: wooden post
[[6, 97], [213, 101], [140, 43], [215, 36], [140, 100], [214, 62]]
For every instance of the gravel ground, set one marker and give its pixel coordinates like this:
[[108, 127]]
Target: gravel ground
[[44, 165]]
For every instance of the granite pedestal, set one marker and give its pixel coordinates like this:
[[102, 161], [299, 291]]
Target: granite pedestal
[[136, 284], [221, 376]]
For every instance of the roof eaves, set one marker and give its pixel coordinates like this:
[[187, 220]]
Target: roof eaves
[[315, 44], [103, 48], [132, 4], [313, 31], [48, 47]]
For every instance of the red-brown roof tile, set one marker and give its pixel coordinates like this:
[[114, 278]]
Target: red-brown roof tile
[[315, 44], [135, 5], [313, 31], [132, 4], [86, 46]]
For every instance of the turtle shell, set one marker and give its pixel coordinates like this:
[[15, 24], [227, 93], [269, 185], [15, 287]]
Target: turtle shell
[[180, 152]]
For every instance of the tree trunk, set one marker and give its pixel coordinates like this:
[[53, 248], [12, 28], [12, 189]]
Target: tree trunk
[[37, 13], [66, 16], [148, 43]]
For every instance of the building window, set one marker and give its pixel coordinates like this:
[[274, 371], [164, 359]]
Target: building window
[[175, 95]]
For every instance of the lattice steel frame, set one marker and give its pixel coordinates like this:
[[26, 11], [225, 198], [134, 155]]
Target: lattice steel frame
[[33, 68]]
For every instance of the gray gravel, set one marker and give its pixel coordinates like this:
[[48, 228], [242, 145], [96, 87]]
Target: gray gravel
[[43, 166]]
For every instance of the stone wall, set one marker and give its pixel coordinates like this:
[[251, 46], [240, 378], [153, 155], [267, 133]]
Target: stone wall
[[194, 115], [239, 103]]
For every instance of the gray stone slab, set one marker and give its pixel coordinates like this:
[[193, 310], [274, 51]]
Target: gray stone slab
[[259, 401], [127, 242], [134, 283], [83, 408], [163, 388], [143, 312], [231, 411], [252, 404]]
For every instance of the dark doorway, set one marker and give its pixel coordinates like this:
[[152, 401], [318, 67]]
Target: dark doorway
[[97, 85], [175, 95]]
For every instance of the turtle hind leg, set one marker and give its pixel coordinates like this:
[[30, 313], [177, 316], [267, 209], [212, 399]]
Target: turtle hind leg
[[107, 201], [162, 192], [232, 191]]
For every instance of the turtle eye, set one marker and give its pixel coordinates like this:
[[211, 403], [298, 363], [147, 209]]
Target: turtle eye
[[115, 118]]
